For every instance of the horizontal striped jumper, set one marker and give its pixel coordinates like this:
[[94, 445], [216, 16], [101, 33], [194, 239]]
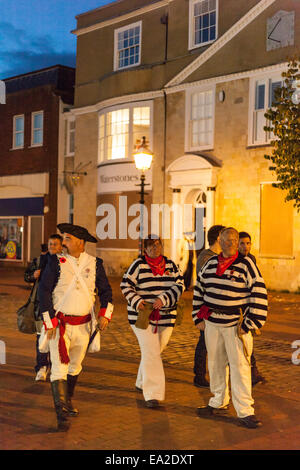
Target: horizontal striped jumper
[[139, 283], [241, 286]]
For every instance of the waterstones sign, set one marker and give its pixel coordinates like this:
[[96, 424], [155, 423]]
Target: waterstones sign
[[119, 177]]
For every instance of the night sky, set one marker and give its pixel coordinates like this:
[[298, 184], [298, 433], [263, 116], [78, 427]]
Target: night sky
[[35, 34]]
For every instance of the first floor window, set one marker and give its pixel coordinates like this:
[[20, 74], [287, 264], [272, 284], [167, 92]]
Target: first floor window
[[276, 233], [121, 131], [11, 238], [263, 99], [37, 128], [200, 120], [18, 132], [127, 46]]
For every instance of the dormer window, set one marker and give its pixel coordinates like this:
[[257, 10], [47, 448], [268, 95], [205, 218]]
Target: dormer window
[[128, 46], [203, 28]]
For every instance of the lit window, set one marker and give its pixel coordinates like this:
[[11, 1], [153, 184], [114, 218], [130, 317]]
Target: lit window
[[128, 46], [37, 128], [11, 238], [71, 138], [121, 130], [201, 120], [18, 133], [203, 22]]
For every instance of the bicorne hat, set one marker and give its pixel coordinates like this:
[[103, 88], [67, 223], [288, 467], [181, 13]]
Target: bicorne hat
[[77, 231]]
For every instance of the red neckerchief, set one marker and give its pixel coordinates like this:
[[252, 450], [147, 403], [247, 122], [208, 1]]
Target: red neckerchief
[[157, 265], [224, 263]]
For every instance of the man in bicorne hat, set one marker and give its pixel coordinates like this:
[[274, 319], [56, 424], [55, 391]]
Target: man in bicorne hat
[[67, 294]]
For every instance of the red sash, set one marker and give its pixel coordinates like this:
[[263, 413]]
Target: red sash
[[72, 320]]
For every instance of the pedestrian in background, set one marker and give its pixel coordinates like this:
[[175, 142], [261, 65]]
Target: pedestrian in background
[[245, 244], [33, 274], [156, 280]]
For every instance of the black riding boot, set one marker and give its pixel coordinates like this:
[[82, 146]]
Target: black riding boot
[[59, 392], [72, 379]]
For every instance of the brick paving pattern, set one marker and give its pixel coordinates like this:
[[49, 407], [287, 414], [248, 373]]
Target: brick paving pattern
[[113, 414]]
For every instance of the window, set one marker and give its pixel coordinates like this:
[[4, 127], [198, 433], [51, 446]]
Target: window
[[69, 137], [37, 128], [128, 46], [200, 120], [11, 238], [262, 97], [203, 28], [18, 132], [122, 129], [274, 241]]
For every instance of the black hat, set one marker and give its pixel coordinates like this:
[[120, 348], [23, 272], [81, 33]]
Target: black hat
[[77, 231]]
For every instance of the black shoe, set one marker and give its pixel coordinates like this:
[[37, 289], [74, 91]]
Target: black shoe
[[250, 422], [257, 378], [152, 403], [59, 393], [71, 382], [200, 382], [209, 411]]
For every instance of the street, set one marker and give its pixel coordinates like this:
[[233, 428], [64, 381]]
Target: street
[[112, 414]]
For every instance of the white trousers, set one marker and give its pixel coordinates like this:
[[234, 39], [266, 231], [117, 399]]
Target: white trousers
[[76, 339], [151, 375], [225, 347]]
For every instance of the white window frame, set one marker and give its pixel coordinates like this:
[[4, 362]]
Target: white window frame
[[191, 43], [14, 146], [130, 152], [116, 51], [265, 79], [69, 131], [188, 108], [33, 128]]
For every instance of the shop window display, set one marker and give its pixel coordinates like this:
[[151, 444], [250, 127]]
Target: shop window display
[[11, 238]]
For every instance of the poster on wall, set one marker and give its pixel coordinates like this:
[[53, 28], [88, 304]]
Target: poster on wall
[[11, 231]]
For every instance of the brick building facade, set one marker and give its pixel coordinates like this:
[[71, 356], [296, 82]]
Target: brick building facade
[[31, 127]]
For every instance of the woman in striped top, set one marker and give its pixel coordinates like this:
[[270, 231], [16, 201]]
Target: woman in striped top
[[153, 279], [227, 285]]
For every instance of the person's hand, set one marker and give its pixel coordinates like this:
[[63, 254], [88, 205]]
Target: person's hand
[[51, 333], [102, 322], [157, 304], [36, 274], [141, 305], [201, 326]]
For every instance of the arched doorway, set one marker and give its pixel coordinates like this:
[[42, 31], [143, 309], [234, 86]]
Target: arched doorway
[[193, 180]]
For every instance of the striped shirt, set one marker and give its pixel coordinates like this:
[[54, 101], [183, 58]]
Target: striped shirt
[[241, 286], [139, 283]]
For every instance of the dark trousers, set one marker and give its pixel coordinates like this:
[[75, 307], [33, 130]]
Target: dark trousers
[[42, 359], [200, 356]]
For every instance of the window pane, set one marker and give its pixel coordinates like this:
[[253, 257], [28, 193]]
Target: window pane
[[38, 121], [128, 43], [201, 116], [19, 123], [141, 125], [260, 96], [19, 139], [38, 137], [204, 21], [273, 87]]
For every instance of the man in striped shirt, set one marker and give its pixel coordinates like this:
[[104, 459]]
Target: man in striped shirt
[[227, 285]]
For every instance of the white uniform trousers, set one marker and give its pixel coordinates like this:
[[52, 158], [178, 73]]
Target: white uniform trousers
[[76, 339], [151, 375], [225, 347]]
